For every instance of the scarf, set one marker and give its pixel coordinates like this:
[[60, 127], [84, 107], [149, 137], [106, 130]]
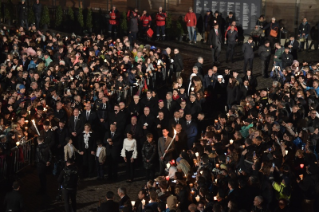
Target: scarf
[[86, 139], [176, 97]]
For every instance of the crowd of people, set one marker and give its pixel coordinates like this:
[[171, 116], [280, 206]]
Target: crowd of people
[[93, 102]]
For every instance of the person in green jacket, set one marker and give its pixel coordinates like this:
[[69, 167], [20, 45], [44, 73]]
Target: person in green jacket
[[278, 53], [47, 59], [245, 129]]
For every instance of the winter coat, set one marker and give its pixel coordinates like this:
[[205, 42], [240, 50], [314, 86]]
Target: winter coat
[[148, 153], [190, 19]]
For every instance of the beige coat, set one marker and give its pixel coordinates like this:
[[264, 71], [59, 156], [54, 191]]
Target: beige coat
[[102, 155], [68, 153]]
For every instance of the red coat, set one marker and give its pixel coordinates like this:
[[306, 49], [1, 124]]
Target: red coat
[[190, 19], [160, 19], [146, 20], [114, 17]]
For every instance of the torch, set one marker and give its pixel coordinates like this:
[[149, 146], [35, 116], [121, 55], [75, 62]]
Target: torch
[[170, 143], [35, 126]]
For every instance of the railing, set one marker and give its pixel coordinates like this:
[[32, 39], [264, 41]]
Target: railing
[[19, 158]]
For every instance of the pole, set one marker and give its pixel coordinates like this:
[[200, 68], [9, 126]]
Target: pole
[[170, 143]]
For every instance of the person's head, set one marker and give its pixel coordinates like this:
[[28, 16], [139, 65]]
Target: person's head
[[250, 40], [258, 200], [121, 191], [230, 14], [160, 9], [76, 112], [141, 194], [201, 116], [304, 20], [192, 98], [232, 27], [16, 185], [112, 127], [109, 195], [116, 108], [149, 137], [273, 20], [129, 135], [160, 115], [176, 114], [146, 111], [216, 26], [165, 132], [169, 95], [148, 94], [292, 38], [87, 127], [188, 117]]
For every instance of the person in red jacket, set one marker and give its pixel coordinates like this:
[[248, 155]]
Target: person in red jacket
[[146, 20], [113, 21], [191, 21], [160, 23], [229, 27]]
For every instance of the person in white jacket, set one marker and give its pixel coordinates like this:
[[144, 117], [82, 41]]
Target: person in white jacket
[[129, 153]]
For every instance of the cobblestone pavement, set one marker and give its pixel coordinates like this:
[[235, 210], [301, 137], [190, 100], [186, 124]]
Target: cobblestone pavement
[[90, 191]]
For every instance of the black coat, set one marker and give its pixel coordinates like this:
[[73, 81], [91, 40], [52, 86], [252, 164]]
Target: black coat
[[133, 108], [286, 59], [264, 52], [109, 206], [14, 201], [61, 115], [194, 108], [43, 155], [93, 118], [213, 39], [49, 138], [78, 127], [248, 50], [117, 141], [304, 28], [37, 9], [252, 81], [294, 48], [178, 63], [61, 135], [119, 119], [150, 120], [232, 94], [149, 153]]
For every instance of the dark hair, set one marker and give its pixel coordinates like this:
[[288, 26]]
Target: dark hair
[[109, 195], [40, 138], [15, 185]]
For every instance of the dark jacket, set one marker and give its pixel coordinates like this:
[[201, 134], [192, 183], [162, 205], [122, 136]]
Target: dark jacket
[[252, 81], [13, 201], [264, 52], [133, 22], [178, 63], [109, 206], [43, 155], [91, 119], [213, 39], [232, 94], [270, 26], [76, 127], [304, 28], [148, 153], [232, 37], [208, 22], [37, 9], [69, 177], [23, 11], [294, 48], [248, 50], [286, 59], [117, 142]]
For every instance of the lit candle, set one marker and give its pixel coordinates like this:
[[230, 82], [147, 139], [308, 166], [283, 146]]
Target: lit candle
[[176, 204], [26, 128], [197, 198], [192, 192], [201, 172], [216, 120], [167, 165], [192, 88], [17, 143], [26, 121], [302, 165], [217, 165], [120, 88], [286, 152], [196, 154], [173, 161], [143, 201], [231, 141], [215, 198], [301, 176], [167, 178], [215, 180], [191, 185], [133, 203]]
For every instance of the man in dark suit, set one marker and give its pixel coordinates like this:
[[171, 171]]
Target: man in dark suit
[[148, 101], [293, 46], [109, 205], [43, 159], [146, 123], [13, 200], [125, 201], [160, 124], [113, 143], [89, 116], [215, 42], [118, 118], [245, 89], [176, 120], [102, 109], [24, 61], [169, 103], [76, 126], [61, 133], [48, 135], [251, 80], [191, 131], [194, 106], [248, 51], [163, 143], [59, 112]]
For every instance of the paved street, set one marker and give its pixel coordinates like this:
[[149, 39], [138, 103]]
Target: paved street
[[90, 191]]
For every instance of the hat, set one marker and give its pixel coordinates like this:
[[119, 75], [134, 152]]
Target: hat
[[21, 87], [153, 47], [73, 35], [220, 76], [46, 123]]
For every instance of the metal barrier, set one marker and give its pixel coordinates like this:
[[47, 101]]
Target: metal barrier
[[20, 157]]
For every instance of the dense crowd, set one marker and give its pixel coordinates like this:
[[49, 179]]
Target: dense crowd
[[93, 102]]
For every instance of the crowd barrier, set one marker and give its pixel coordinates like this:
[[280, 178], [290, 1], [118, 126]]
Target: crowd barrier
[[18, 158]]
